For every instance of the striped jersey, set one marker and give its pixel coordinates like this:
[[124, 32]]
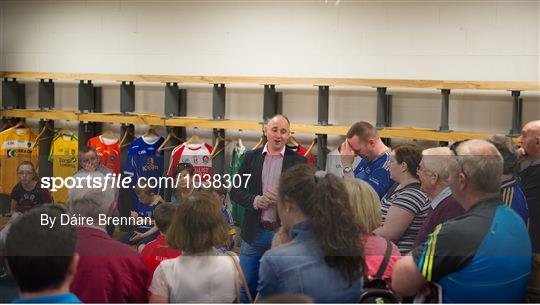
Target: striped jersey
[[411, 199]]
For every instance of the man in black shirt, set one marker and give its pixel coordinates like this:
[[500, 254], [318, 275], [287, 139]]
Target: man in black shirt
[[530, 177]]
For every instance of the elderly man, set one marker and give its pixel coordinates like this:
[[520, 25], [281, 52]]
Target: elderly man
[[259, 196], [433, 175], [109, 271], [483, 255], [530, 177], [364, 141]]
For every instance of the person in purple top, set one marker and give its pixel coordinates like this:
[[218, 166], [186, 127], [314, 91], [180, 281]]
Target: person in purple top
[[433, 174]]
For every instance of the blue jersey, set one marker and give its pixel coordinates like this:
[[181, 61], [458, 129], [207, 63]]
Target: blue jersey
[[376, 173], [513, 196], [143, 160], [145, 210], [483, 256]]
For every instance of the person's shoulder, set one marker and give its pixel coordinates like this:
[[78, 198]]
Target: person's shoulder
[[289, 153]]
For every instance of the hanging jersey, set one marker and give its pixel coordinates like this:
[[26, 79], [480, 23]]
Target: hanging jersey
[[108, 152], [333, 163], [197, 155], [63, 155], [302, 152], [147, 210], [15, 147], [144, 160], [238, 154]]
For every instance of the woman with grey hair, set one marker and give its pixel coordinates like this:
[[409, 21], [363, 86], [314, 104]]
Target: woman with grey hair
[[511, 191]]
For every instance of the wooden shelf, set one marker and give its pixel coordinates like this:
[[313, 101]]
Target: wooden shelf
[[411, 133], [259, 80]]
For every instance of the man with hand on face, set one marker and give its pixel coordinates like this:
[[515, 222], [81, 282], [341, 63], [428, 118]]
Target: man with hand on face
[[259, 196], [364, 141]]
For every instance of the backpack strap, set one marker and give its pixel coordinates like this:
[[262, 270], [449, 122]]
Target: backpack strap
[[386, 259]]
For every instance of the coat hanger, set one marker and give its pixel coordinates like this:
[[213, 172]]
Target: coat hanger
[[239, 142], [39, 139], [20, 124], [6, 126], [261, 142], [126, 134], [109, 134], [293, 141], [219, 139], [151, 131], [308, 151], [171, 135], [194, 138]]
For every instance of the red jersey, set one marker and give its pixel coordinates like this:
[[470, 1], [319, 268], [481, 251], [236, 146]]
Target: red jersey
[[108, 152], [302, 152], [157, 251], [197, 155]]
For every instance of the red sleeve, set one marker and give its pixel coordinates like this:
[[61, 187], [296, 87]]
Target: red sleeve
[[175, 159]]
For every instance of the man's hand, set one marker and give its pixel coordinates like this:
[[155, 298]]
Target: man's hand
[[136, 236], [268, 198], [347, 154]]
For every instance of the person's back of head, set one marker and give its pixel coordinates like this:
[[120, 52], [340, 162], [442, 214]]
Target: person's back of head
[[41, 257], [323, 199], [435, 160], [507, 150], [365, 204], [90, 201], [481, 163], [197, 225], [163, 216]]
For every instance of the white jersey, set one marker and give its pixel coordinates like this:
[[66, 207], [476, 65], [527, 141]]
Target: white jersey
[[197, 155], [333, 163]]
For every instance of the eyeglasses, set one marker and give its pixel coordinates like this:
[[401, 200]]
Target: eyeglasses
[[25, 173]]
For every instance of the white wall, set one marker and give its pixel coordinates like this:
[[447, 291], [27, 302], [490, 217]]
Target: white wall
[[462, 40]]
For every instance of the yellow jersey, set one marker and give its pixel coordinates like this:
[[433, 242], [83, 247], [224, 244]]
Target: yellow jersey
[[63, 155], [16, 145]]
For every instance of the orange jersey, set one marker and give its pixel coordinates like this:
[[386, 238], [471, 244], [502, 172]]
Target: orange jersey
[[15, 146], [108, 152]]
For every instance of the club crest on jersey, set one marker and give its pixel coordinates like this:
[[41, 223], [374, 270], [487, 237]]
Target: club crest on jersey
[[206, 159], [150, 165]]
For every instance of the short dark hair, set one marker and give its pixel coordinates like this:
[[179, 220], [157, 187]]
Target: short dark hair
[[182, 167], [163, 216], [411, 154], [39, 256], [507, 150], [363, 130]]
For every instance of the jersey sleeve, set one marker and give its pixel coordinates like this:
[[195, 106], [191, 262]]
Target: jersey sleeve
[[175, 159], [443, 253], [379, 180]]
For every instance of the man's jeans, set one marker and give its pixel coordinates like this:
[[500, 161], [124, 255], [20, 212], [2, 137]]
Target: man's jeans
[[250, 257]]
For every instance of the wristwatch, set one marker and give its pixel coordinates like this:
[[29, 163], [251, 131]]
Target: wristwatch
[[347, 169]]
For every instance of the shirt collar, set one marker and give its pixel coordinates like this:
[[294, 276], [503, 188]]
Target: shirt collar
[[509, 182], [265, 150], [445, 193]]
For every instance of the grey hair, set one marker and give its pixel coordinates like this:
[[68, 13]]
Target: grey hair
[[506, 148], [482, 163], [436, 159], [91, 202]]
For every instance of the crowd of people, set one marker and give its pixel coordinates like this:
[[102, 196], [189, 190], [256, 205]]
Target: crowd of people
[[446, 224]]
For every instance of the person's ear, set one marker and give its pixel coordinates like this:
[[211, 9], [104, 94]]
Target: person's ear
[[462, 181], [72, 268], [265, 130]]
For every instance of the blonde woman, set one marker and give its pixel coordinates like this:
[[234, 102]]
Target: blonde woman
[[366, 210]]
